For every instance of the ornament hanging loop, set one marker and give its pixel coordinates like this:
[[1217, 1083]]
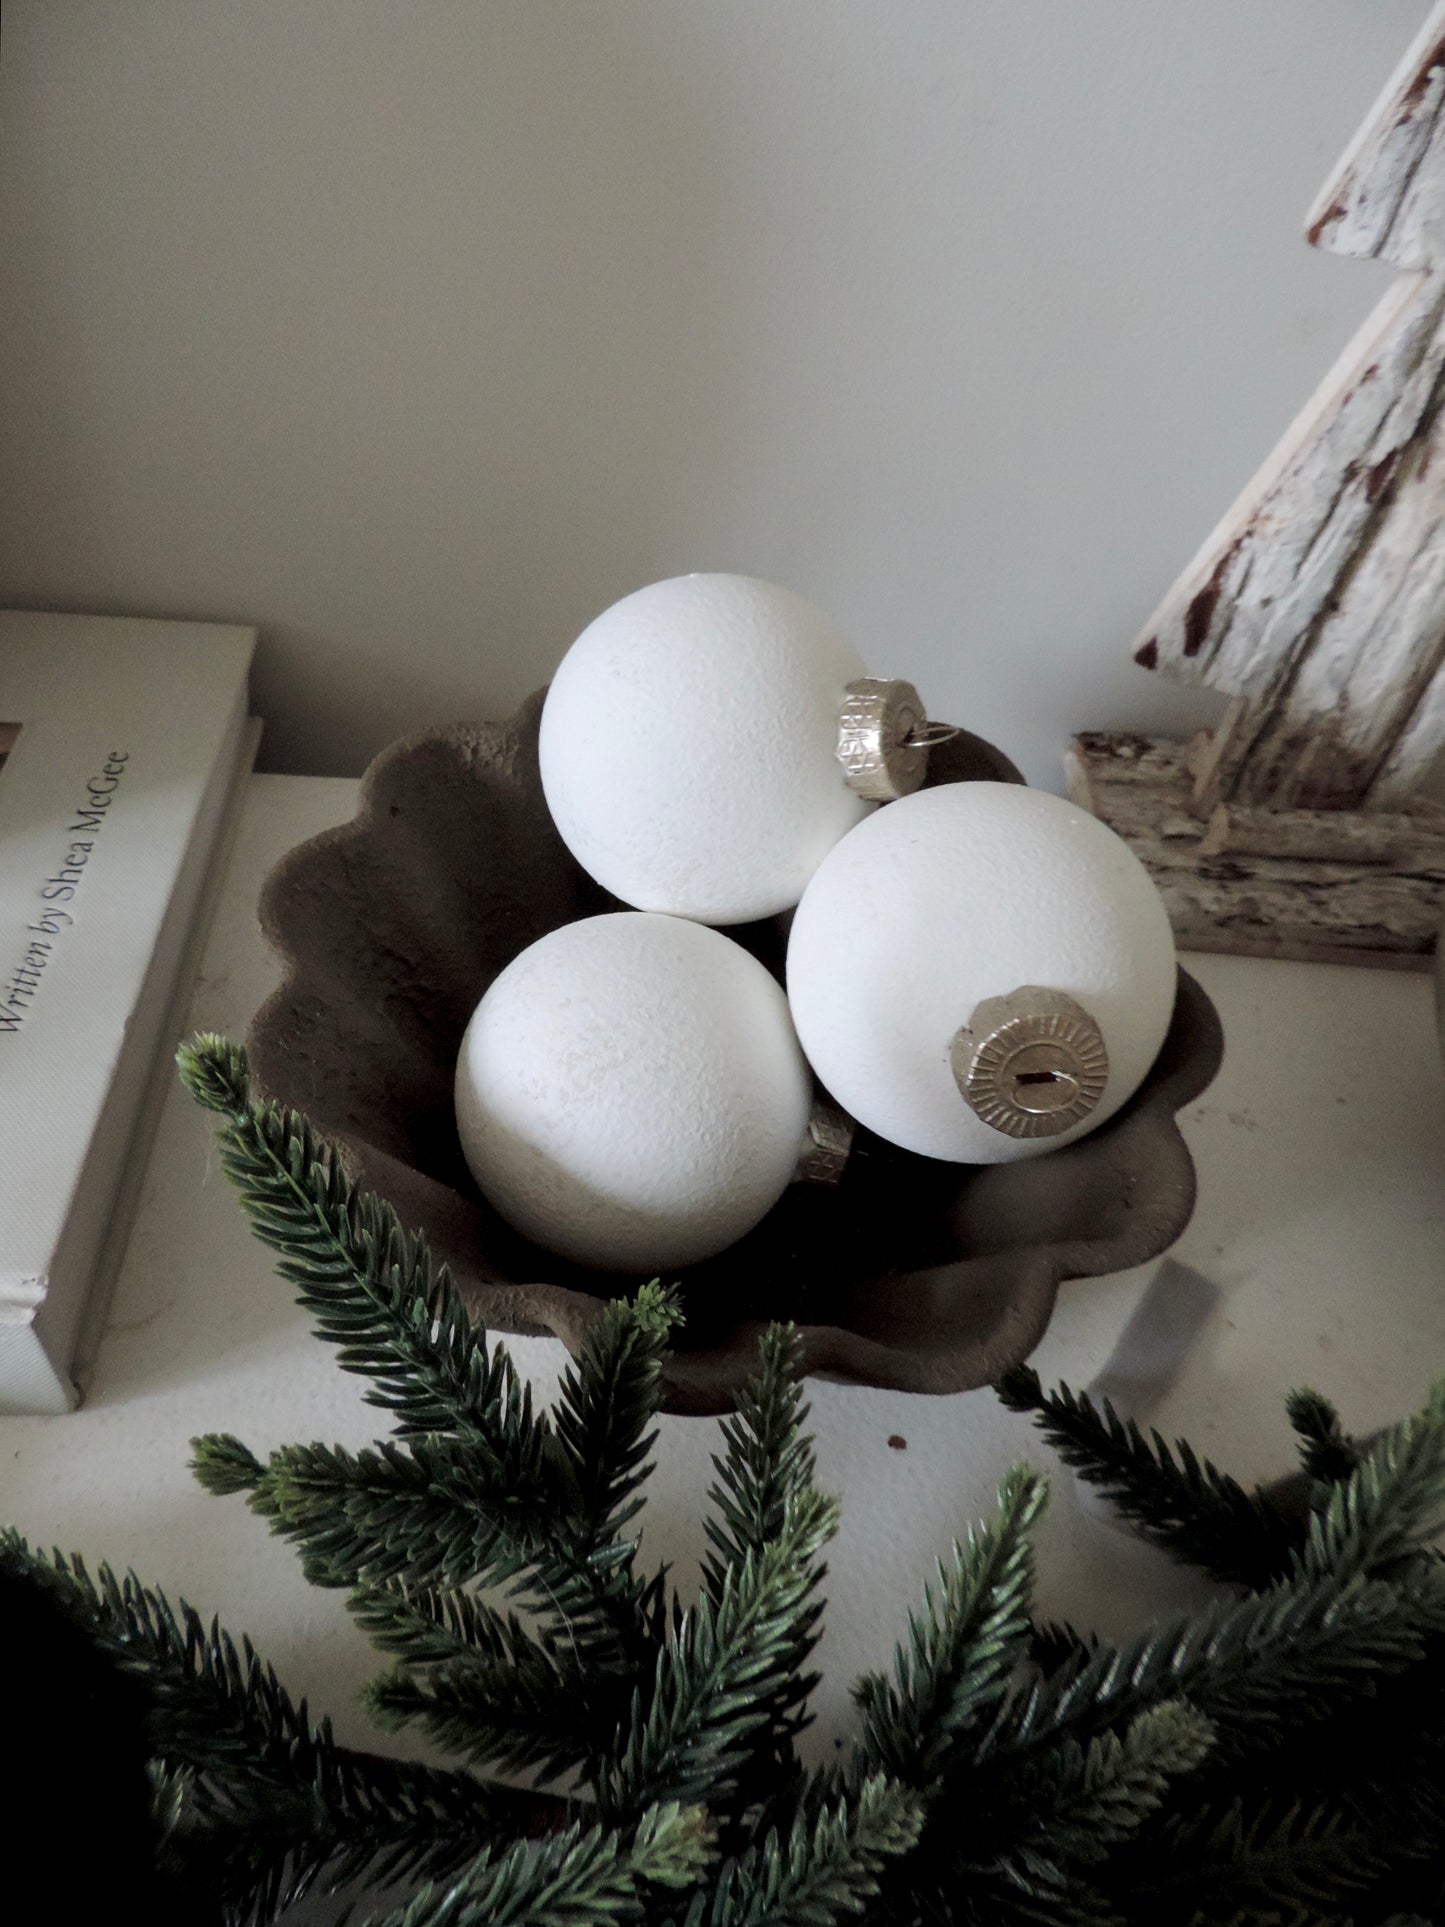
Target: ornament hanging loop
[[930, 735], [1031, 1064]]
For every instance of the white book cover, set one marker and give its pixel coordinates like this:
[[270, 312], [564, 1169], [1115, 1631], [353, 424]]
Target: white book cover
[[121, 742]]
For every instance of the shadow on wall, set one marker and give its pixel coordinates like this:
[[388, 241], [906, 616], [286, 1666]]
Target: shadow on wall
[[433, 321]]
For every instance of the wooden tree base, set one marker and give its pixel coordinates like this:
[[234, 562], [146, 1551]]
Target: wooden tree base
[[1323, 886]]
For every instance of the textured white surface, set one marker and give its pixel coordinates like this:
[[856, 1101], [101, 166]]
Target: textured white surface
[[630, 1092], [689, 747], [1321, 1219], [946, 897]]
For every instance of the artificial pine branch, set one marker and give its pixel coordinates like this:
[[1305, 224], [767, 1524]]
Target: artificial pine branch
[[1170, 1496], [1327, 1452], [1393, 1501], [369, 1284], [1214, 1862], [609, 1397], [582, 1878], [432, 1508], [1258, 1667], [373, 1290], [273, 1799], [584, 1580], [822, 1869], [428, 1625], [766, 1466], [543, 1711], [1277, 1758], [1089, 1798], [961, 1647], [726, 1663], [767, 1459]]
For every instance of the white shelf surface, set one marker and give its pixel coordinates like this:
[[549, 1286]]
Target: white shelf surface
[[1321, 1219]]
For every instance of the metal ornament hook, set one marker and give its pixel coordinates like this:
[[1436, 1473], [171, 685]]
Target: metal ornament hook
[[927, 735], [1031, 1064]]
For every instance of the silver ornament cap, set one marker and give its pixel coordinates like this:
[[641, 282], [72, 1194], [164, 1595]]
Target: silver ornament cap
[[1031, 1064], [826, 1143], [882, 739]]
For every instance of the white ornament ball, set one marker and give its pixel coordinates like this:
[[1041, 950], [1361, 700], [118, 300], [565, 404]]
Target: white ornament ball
[[630, 1092], [689, 747], [955, 895]]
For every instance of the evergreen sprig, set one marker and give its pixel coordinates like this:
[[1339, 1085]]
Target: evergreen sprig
[[429, 1625], [537, 1709], [609, 1398], [432, 1508], [1375, 1520], [1258, 1667], [1083, 1801], [1168, 1494], [1327, 1452], [1281, 1853], [767, 1461], [369, 1284], [1276, 1758], [267, 1800], [722, 1671], [767, 1467], [823, 1869], [1099, 1794], [583, 1878], [962, 1646]]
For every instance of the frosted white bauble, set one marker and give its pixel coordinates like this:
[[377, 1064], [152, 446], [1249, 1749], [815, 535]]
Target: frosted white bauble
[[958, 894], [689, 747], [630, 1092]]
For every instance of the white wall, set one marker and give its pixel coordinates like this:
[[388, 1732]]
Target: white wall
[[417, 331]]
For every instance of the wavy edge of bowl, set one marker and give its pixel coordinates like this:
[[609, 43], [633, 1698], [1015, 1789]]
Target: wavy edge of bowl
[[1021, 1281]]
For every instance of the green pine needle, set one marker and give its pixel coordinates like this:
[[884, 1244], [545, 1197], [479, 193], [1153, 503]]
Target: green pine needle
[[821, 1870], [275, 1803], [961, 1648], [1259, 1668], [370, 1284], [427, 1625], [1327, 1452], [1170, 1496], [609, 1398], [224, 1466], [582, 1878], [533, 1711], [1277, 1758], [1217, 1861], [1391, 1503], [216, 1074], [672, 1845], [1090, 1797], [434, 1510], [766, 1467], [728, 1660], [767, 1461]]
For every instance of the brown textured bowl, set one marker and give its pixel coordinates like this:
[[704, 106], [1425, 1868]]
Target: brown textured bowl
[[912, 1273]]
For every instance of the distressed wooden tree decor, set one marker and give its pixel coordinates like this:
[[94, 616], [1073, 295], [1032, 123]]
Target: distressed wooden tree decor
[[1296, 828]]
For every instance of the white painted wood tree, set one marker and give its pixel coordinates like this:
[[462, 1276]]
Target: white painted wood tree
[[1318, 606]]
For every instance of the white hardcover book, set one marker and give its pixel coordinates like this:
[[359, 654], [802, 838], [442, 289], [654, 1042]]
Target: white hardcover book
[[123, 743]]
